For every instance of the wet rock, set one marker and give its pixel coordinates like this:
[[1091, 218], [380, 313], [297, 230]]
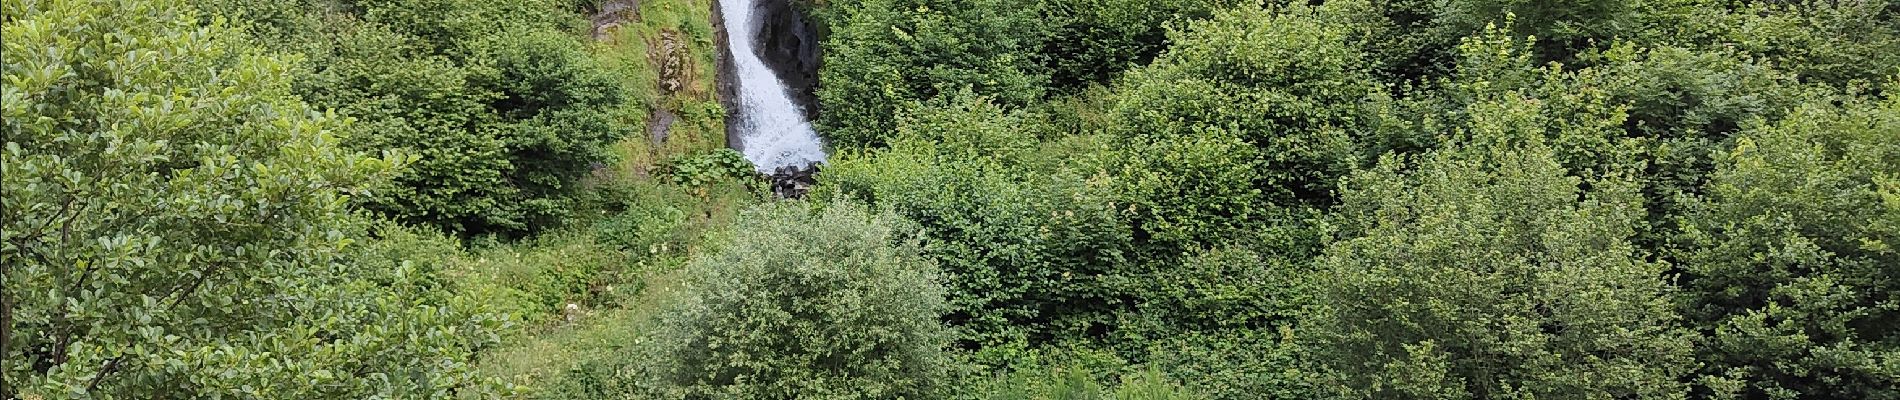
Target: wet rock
[[611, 14], [790, 182], [789, 45], [660, 124]]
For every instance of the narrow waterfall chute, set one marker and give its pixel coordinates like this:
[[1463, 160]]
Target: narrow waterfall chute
[[772, 130]]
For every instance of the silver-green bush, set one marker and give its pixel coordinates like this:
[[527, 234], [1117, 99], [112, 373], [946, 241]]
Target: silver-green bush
[[804, 302]]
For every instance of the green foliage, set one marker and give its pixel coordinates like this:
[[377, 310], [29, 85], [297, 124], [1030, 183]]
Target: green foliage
[[1415, 40], [832, 302], [882, 56], [643, 227], [455, 28], [630, 262], [1193, 214], [1095, 40], [1023, 247], [1841, 43], [1562, 28], [505, 110], [714, 166], [1481, 275], [1077, 383], [534, 280], [1248, 112], [1214, 293], [1790, 256], [176, 225], [1240, 364]]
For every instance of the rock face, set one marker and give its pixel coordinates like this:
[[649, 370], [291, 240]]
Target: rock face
[[789, 45], [610, 14]]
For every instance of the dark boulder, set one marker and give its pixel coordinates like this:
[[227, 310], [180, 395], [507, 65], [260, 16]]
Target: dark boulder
[[791, 182]]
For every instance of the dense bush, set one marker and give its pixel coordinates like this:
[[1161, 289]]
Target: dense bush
[[1790, 256], [882, 56], [1240, 364], [1218, 166], [1023, 248], [805, 302], [1093, 41], [176, 225], [1413, 39], [1076, 382], [1213, 293], [1041, 244], [1481, 274], [1250, 112], [505, 109], [1660, 112], [1840, 43]]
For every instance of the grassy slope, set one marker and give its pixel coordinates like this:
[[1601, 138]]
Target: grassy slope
[[623, 287], [637, 49]]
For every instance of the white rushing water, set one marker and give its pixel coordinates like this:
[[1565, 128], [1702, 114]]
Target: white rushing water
[[773, 132]]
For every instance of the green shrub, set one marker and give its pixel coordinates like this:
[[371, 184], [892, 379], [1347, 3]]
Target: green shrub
[[505, 110], [1241, 364], [1486, 272], [1790, 256], [1247, 113], [1093, 41], [535, 279], [1024, 248], [714, 166], [640, 229], [883, 56], [1661, 112], [1037, 249], [1417, 40], [176, 225], [1841, 43], [805, 302], [1231, 289], [1074, 381]]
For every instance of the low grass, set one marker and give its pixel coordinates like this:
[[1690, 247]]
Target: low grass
[[539, 361], [618, 260]]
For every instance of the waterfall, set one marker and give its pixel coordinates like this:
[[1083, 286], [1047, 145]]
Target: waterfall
[[773, 132]]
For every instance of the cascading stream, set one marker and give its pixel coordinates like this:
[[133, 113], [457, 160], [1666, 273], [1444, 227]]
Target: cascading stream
[[773, 132]]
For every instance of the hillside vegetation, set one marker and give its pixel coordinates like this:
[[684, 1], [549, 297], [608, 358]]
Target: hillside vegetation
[[1033, 199]]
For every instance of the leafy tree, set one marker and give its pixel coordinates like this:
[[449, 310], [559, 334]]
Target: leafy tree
[[505, 111], [1485, 272], [1415, 40], [1683, 107], [1790, 256], [883, 56], [1025, 234], [1660, 112], [1247, 112], [1095, 40], [456, 28], [1840, 43], [806, 303], [176, 225]]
